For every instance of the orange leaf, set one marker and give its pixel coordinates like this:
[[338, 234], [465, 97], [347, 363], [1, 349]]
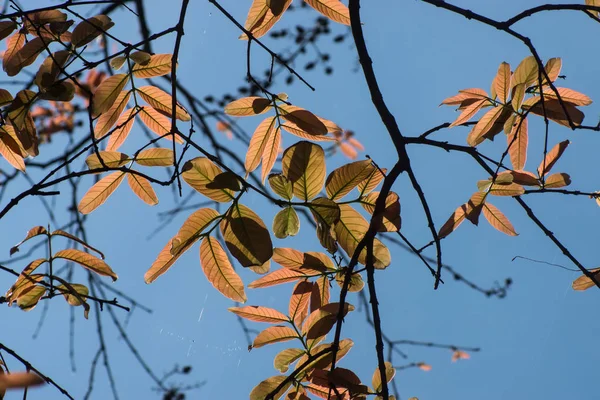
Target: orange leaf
[[259, 314], [158, 65], [483, 126], [583, 282], [162, 102], [335, 10], [99, 193], [526, 72], [557, 180], [498, 220], [248, 106], [263, 15], [158, 123], [219, 271], [552, 157], [278, 277], [466, 94], [469, 112], [569, 95], [298, 307], [124, 125], [274, 334], [469, 209], [270, 153], [502, 82], [518, 140], [142, 189], [107, 92], [88, 261], [258, 144]]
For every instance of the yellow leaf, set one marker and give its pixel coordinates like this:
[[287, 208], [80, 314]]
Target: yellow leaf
[[99, 193], [335, 10], [10, 150], [158, 123], [518, 140], [142, 189], [342, 180], [107, 92], [88, 29], [483, 126], [200, 173], [124, 125], [298, 307], [389, 375], [219, 271], [71, 298], [25, 281], [248, 106], [286, 223], [33, 232], [304, 165], [553, 67], [246, 236], [512, 189], [259, 314], [356, 283], [391, 216], [284, 358], [108, 119], [552, 157], [518, 96], [155, 157], [310, 262], [281, 185], [526, 72], [191, 229], [299, 119], [270, 153], [502, 82], [583, 282], [371, 181], [112, 159], [30, 297], [263, 15], [274, 334], [88, 261], [498, 220], [263, 389], [258, 143], [159, 65], [162, 102]]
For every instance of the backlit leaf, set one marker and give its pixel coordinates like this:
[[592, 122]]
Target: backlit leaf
[[498, 220], [512, 189], [583, 282], [274, 334], [320, 294], [281, 185], [483, 126], [33, 232], [320, 321], [87, 30], [526, 72], [246, 236], [342, 180], [299, 119], [260, 314], [569, 95], [556, 111], [355, 284], [518, 140], [112, 159], [26, 55], [71, 298], [158, 123], [13, 44], [335, 10], [298, 307], [108, 119], [124, 125], [552, 157], [88, 261], [466, 94], [258, 143], [99, 193], [159, 65], [60, 232], [155, 157], [285, 357], [557, 180], [469, 112], [304, 165], [270, 153], [389, 375], [201, 172], [162, 102], [107, 92], [371, 181], [391, 216], [263, 389], [278, 277], [553, 67], [248, 106], [502, 82], [142, 189], [518, 96], [11, 151], [470, 208], [163, 262], [286, 223], [15, 380], [6, 28], [263, 15], [192, 228], [219, 271]]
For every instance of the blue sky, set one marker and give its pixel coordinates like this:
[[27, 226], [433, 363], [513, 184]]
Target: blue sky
[[536, 343]]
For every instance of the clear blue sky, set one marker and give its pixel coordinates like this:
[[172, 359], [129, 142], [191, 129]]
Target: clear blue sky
[[538, 342]]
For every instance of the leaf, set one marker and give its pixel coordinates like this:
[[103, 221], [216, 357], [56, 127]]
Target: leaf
[[6, 28], [88, 261], [584, 282], [163, 262], [158, 65], [16, 380], [502, 82], [22, 122], [99, 193], [219, 271], [371, 182], [201, 172], [304, 165], [270, 153], [498, 220], [553, 67], [556, 111], [335, 10], [377, 383], [112, 159], [470, 209], [286, 223], [158, 123], [259, 314], [155, 157], [248, 106], [88, 29], [298, 307], [308, 262], [274, 334], [33, 232], [107, 92], [320, 321], [10, 150], [350, 231], [278, 277], [526, 72], [25, 279], [71, 298], [107, 120], [391, 215], [192, 229], [557, 181], [356, 283], [258, 143], [263, 389], [118, 62], [518, 96], [345, 178], [263, 15], [299, 119], [285, 357], [225, 180], [124, 125], [484, 126], [246, 236], [13, 45], [30, 297], [569, 96], [469, 112], [281, 185], [162, 102], [142, 189], [459, 354], [512, 189], [518, 140], [324, 361], [26, 55], [60, 232], [140, 57], [5, 97], [466, 94], [552, 157]]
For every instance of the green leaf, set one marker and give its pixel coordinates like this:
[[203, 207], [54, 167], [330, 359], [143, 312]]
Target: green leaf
[[304, 165]]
